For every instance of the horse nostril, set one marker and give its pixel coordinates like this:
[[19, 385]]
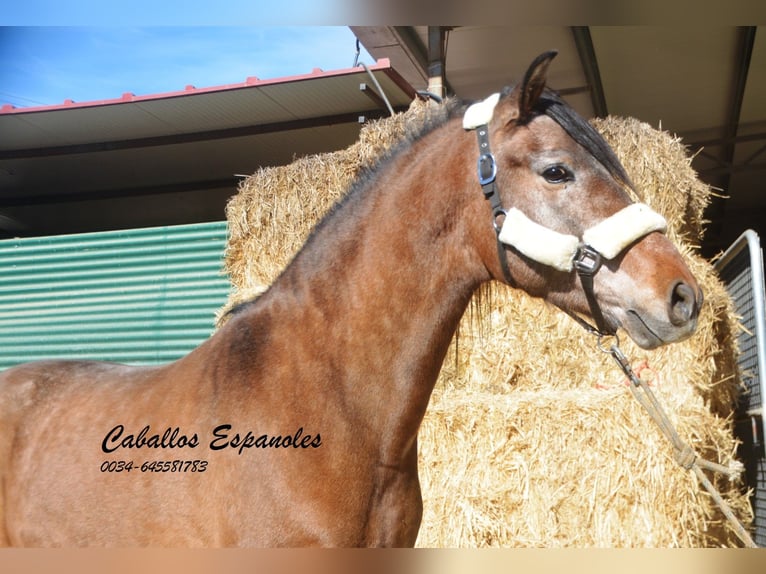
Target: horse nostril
[[683, 304]]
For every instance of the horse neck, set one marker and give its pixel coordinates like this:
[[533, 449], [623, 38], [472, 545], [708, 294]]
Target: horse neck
[[374, 298]]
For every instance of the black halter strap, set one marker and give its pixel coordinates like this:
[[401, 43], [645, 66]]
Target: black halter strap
[[587, 262], [487, 169]]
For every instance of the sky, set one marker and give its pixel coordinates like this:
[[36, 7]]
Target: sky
[[91, 50], [45, 65], [180, 12]]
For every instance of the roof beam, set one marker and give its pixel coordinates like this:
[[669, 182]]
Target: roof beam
[[192, 137], [717, 208], [409, 41], [587, 54], [72, 195], [402, 46], [746, 43], [699, 144], [436, 60]]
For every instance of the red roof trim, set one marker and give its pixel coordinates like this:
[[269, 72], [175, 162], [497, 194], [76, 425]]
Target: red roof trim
[[382, 65]]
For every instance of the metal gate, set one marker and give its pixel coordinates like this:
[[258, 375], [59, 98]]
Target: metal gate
[[140, 296], [741, 269]]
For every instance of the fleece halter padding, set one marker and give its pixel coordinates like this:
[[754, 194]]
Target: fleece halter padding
[[480, 113], [608, 238], [537, 241]]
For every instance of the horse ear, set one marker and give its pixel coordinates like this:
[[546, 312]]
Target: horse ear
[[534, 82]]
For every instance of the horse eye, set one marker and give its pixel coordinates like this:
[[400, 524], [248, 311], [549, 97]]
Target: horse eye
[[557, 174]]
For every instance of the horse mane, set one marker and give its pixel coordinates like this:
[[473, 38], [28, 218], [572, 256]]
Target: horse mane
[[434, 117], [427, 120], [423, 123]]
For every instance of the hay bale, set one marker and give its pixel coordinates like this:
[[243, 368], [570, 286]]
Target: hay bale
[[660, 167], [275, 209], [531, 437]]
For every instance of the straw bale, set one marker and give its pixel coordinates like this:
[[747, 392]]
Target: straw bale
[[660, 167], [275, 209], [532, 437], [561, 468]]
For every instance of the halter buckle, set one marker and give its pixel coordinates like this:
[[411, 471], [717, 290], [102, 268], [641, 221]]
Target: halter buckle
[[487, 168], [587, 260]]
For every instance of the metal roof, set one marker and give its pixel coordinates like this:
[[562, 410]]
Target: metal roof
[[707, 84], [171, 158]]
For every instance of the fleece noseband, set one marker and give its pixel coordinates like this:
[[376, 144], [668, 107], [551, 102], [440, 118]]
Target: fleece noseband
[[608, 237], [605, 240]]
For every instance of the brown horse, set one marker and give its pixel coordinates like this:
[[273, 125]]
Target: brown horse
[[296, 423]]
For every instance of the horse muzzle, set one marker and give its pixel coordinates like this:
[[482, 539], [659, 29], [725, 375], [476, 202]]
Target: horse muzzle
[[664, 320]]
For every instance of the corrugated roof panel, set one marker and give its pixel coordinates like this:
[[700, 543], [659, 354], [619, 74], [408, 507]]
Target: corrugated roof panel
[[221, 110], [79, 125], [326, 96], [142, 296], [17, 132], [136, 168], [253, 102]]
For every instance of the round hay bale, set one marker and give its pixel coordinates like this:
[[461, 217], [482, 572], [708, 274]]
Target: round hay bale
[[531, 437]]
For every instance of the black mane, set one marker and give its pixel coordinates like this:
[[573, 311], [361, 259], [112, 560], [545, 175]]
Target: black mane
[[434, 117], [430, 119], [418, 127]]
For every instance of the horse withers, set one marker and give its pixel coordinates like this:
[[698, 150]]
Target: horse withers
[[296, 423]]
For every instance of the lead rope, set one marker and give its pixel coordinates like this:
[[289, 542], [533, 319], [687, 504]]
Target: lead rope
[[684, 454], [587, 262]]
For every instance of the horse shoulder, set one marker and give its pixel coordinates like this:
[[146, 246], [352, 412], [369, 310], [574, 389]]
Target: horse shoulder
[[32, 392]]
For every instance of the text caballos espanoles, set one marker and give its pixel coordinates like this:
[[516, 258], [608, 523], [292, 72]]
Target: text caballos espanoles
[[221, 438]]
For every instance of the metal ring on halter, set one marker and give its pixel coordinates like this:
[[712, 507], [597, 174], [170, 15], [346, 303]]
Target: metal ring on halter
[[602, 347], [487, 159], [587, 260], [497, 213]]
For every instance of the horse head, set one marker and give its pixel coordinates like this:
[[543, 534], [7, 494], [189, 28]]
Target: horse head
[[567, 229]]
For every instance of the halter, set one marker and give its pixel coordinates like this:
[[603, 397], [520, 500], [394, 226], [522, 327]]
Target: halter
[[585, 255], [605, 240]]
